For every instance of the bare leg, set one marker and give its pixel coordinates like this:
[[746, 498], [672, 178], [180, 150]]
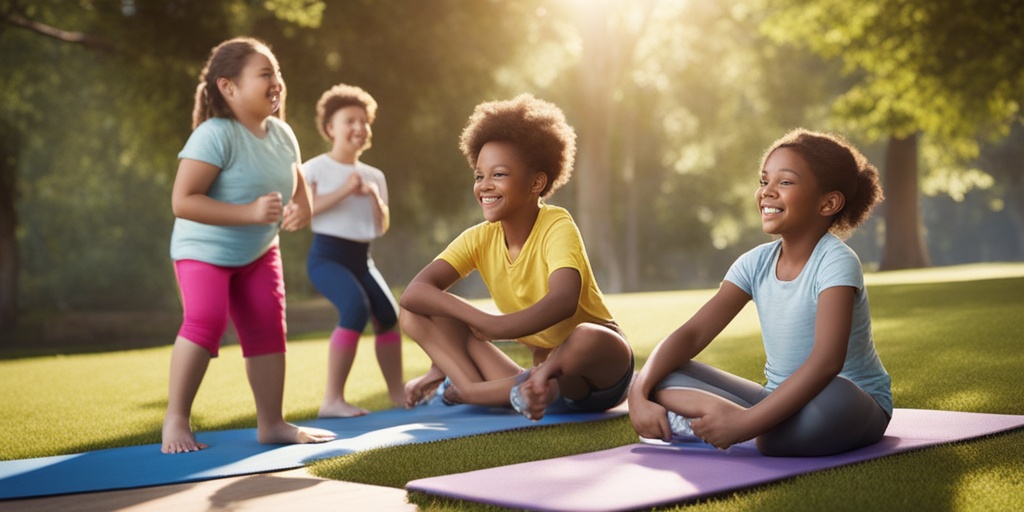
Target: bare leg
[[389, 356], [188, 366], [592, 355], [266, 377], [469, 362], [339, 364], [340, 356]]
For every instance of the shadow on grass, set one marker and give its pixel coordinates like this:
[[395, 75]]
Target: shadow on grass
[[395, 466]]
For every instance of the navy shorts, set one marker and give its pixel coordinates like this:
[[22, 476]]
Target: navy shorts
[[603, 399]]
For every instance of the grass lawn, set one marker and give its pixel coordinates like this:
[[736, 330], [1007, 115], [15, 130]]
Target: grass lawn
[[950, 337]]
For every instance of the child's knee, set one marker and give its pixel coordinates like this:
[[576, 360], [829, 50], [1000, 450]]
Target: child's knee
[[411, 323]]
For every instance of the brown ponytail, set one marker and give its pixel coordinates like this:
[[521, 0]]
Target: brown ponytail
[[226, 60]]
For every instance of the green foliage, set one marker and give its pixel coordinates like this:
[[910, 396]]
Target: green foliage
[[305, 13], [948, 68], [698, 97], [101, 130], [695, 103]]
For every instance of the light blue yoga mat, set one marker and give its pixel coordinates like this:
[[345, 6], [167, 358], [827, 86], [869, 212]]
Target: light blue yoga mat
[[236, 452]]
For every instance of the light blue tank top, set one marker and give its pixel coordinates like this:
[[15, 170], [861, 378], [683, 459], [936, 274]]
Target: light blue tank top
[[249, 168]]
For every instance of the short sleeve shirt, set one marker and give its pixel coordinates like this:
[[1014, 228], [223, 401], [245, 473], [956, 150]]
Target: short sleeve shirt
[[787, 311], [352, 218], [554, 243], [249, 168]]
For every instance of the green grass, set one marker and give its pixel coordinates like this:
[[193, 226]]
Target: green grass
[[950, 338]]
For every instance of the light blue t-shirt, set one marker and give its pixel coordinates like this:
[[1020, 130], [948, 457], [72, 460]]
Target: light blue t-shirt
[[249, 168], [787, 311]]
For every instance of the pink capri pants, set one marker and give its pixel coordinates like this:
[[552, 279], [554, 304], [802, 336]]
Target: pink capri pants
[[252, 294]]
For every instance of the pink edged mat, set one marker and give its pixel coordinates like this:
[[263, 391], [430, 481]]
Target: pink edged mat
[[643, 476]]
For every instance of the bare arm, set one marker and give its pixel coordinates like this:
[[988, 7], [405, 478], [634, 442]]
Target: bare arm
[[833, 322], [324, 202], [189, 199], [299, 211], [426, 295], [681, 346], [381, 211]]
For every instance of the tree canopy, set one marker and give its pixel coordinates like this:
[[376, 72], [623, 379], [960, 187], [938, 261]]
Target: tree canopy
[[950, 70]]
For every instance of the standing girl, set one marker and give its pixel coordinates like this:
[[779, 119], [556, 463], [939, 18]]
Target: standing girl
[[350, 209], [827, 390], [237, 185], [532, 259]]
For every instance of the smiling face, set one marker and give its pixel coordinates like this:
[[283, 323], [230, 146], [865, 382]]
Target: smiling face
[[349, 130], [258, 91], [504, 187], [789, 197]]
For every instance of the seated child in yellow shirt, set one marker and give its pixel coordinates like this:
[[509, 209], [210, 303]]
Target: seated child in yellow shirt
[[532, 259]]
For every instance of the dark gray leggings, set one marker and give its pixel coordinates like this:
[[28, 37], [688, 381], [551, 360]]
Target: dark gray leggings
[[841, 418]]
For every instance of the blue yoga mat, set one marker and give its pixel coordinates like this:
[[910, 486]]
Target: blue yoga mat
[[236, 452]]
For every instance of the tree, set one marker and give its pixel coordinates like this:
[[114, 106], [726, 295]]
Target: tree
[[949, 71], [94, 104], [673, 103], [609, 42], [10, 141]]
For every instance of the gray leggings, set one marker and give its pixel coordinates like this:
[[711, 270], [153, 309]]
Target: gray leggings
[[841, 418]]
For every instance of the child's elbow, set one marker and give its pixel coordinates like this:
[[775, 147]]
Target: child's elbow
[[568, 310], [177, 209], [408, 299], [832, 367]]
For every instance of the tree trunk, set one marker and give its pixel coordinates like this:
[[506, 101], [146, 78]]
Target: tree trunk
[[631, 241], [8, 244], [1015, 209], [1005, 161], [593, 169], [904, 238]]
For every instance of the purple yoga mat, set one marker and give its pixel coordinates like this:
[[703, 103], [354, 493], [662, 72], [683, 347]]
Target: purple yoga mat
[[643, 476]]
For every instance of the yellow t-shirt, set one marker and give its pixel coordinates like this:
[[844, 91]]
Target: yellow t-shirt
[[554, 243]]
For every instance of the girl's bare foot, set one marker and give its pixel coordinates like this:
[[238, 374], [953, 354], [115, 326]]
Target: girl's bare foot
[[419, 388], [286, 433], [340, 409], [178, 437]]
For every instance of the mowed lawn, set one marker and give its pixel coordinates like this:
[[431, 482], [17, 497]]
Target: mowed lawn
[[950, 337]]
